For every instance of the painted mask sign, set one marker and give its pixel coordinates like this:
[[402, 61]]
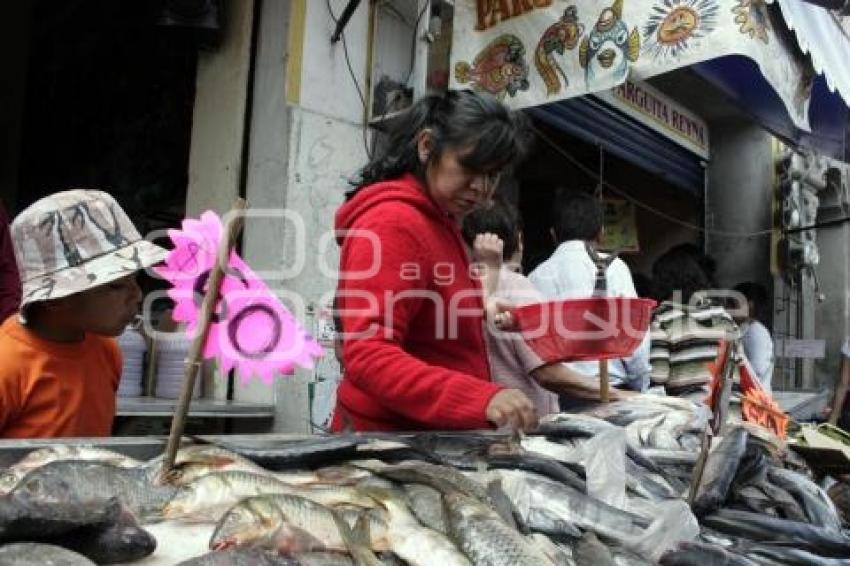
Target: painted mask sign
[[251, 330], [533, 52]]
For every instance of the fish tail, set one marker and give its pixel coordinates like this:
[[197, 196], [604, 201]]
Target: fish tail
[[357, 541], [547, 73]]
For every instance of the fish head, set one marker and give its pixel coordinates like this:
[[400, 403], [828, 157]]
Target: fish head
[[181, 505], [44, 487], [188, 472]]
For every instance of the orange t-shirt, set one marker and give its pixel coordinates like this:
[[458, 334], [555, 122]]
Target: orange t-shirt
[[50, 389]]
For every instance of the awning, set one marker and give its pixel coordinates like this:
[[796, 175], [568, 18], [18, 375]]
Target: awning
[[825, 35], [597, 122], [829, 117]]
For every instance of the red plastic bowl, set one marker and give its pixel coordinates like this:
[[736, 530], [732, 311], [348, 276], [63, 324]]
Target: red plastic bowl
[[584, 329]]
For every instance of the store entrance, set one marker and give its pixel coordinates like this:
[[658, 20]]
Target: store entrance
[[645, 215], [108, 104]]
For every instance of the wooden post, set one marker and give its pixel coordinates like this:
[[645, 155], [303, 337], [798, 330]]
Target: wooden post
[[699, 467], [194, 357], [840, 392], [604, 388]]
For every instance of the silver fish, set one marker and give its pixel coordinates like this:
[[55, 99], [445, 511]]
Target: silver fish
[[74, 480], [427, 504], [551, 507], [10, 477], [29, 553], [664, 457], [442, 478], [762, 528], [196, 461], [285, 522], [485, 539], [818, 506], [42, 456], [720, 469], [409, 539], [209, 497], [241, 557]]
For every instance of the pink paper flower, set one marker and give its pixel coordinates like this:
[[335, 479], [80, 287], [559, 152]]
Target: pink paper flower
[[251, 330]]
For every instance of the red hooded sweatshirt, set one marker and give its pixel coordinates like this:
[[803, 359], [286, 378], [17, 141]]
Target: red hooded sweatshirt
[[414, 351]]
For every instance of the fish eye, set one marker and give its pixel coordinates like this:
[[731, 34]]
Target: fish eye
[[622, 36], [595, 42]]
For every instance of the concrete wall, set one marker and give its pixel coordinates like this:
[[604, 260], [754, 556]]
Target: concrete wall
[[306, 141], [832, 316], [739, 199], [218, 121]]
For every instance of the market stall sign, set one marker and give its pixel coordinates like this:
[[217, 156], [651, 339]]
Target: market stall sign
[[251, 330], [529, 53], [658, 111]]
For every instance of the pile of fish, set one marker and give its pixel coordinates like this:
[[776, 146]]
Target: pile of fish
[[607, 487]]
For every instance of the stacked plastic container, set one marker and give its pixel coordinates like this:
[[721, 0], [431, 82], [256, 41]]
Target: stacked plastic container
[[133, 349], [171, 363]]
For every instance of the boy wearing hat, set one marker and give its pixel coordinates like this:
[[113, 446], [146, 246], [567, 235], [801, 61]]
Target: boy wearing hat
[[78, 254]]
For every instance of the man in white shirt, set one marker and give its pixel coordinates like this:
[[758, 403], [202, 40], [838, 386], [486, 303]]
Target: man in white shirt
[[570, 273], [755, 337]]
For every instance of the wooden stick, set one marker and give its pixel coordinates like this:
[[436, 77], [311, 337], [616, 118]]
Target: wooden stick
[[840, 392], [194, 357], [604, 387], [699, 467]]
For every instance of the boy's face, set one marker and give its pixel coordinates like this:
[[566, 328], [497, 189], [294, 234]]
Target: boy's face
[[107, 309]]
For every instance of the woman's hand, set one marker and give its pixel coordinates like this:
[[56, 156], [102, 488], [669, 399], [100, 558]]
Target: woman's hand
[[498, 313], [487, 254], [511, 407], [488, 249]]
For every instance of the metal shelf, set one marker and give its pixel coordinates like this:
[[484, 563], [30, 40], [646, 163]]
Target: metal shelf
[[205, 408]]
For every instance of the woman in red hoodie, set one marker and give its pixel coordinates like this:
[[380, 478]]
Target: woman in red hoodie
[[411, 311]]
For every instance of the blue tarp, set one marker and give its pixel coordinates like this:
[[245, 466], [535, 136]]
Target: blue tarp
[[595, 122], [740, 80]]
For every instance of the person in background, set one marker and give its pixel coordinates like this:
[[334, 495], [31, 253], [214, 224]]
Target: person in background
[[10, 281], [78, 255], [678, 276], [707, 264], [686, 329], [411, 312], [493, 237], [571, 273], [755, 337]]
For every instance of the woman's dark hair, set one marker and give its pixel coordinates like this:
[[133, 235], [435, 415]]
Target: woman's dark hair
[[493, 135], [706, 262], [577, 216], [757, 294], [643, 284], [500, 219], [677, 270]]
